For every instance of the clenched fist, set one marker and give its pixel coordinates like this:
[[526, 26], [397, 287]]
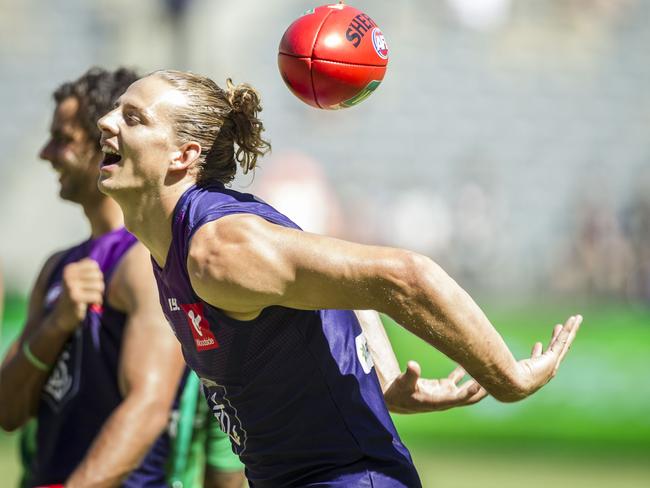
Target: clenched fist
[[82, 285]]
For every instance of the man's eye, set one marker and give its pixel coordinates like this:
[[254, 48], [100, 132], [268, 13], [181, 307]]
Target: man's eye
[[132, 118], [61, 139]]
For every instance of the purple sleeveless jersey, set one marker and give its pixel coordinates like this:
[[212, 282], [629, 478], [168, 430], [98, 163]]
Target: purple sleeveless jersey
[[82, 390], [295, 390]]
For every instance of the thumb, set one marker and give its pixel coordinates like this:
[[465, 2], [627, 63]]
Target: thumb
[[411, 375], [472, 388]]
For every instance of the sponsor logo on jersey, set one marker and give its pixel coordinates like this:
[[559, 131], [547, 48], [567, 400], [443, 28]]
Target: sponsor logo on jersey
[[379, 43], [203, 336], [363, 353]]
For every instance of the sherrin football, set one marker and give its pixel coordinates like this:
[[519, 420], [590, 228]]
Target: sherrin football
[[333, 57]]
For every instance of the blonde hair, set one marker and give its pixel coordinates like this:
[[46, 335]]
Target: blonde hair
[[224, 122]]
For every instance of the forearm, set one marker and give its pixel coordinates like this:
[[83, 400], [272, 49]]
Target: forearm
[[21, 382], [434, 307], [386, 365], [122, 443]]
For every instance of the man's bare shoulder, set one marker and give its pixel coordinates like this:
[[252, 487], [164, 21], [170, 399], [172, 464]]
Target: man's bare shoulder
[[236, 264], [218, 242], [133, 275]]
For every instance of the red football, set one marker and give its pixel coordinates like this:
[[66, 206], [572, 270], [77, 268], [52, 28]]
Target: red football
[[333, 57]]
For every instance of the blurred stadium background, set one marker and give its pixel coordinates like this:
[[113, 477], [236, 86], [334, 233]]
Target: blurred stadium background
[[509, 141]]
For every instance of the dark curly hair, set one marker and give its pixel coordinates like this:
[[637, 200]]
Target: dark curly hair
[[96, 90]]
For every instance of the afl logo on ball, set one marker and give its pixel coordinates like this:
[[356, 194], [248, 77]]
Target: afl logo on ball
[[379, 43]]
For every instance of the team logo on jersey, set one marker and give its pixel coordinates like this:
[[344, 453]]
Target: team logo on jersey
[[379, 43], [63, 381], [60, 381], [227, 417], [363, 353], [203, 336]]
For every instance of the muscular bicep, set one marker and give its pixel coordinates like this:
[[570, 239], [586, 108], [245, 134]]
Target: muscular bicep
[[150, 359], [242, 263]]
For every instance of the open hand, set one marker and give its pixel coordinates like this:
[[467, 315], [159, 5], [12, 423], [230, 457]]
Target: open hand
[[409, 393], [542, 366]]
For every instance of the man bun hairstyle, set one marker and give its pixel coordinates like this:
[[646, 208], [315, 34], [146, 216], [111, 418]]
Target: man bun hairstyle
[[96, 91], [224, 122]]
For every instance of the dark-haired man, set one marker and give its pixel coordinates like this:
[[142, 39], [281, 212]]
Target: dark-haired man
[[96, 363]]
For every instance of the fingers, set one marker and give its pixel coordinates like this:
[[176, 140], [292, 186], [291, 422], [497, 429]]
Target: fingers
[[560, 331], [538, 348], [562, 342], [541, 367], [575, 325], [86, 269], [412, 374], [94, 297], [457, 374], [469, 388], [559, 338], [87, 292], [84, 281], [478, 396], [556, 331], [470, 393], [86, 266], [87, 297]]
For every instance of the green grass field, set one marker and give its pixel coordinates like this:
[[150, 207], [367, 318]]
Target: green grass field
[[589, 428], [599, 399]]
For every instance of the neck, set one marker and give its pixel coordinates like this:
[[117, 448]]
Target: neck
[[104, 216], [148, 215]]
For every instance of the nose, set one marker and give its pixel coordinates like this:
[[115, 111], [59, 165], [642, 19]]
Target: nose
[[107, 124], [47, 151]]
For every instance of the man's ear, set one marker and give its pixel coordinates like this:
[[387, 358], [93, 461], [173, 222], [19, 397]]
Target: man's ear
[[186, 155]]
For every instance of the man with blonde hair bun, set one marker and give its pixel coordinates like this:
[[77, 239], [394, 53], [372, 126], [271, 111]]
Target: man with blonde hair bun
[[262, 309]]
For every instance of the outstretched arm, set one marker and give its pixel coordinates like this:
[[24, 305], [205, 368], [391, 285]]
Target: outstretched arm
[[242, 264], [407, 392], [150, 370]]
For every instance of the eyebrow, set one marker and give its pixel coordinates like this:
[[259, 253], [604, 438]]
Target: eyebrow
[[60, 132], [132, 106]]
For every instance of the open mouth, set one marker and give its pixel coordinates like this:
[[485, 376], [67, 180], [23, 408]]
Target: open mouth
[[111, 159]]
